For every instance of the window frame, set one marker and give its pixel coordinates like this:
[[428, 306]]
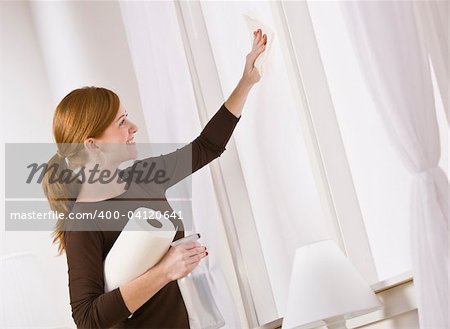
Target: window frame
[[322, 136], [232, 195], [309, 79]]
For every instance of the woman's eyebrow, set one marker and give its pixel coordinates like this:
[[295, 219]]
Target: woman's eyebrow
[[126, 113]]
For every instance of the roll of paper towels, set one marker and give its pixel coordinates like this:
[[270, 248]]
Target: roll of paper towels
[[141, 245]]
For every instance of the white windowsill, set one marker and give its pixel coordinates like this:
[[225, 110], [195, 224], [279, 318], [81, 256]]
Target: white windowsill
[[392, 282]]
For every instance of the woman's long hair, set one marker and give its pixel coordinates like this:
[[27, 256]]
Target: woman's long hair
[[83, 113]]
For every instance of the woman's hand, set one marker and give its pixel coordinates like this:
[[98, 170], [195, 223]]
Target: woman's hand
[[235, 103], [180, 260], [251, 74]]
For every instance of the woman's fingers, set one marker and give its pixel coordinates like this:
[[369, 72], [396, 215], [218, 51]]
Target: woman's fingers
[[260, 49], [194, 251], [259, 44], [259, 38], [191, 266], [189, 249], [189, 245], [183, 258], [256, 38], [196, 258]]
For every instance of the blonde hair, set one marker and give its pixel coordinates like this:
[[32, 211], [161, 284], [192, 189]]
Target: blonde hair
[[83, 113]]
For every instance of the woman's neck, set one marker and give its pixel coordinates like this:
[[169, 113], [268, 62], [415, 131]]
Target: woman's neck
[[100, 183]]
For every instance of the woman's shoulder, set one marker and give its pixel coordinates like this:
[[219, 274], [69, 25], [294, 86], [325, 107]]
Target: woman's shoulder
[[83, 218]]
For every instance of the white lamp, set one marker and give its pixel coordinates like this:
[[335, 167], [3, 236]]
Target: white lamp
[[325, 289]]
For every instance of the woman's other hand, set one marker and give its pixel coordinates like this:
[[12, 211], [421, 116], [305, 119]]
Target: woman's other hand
[[180, 260], [251, 74]]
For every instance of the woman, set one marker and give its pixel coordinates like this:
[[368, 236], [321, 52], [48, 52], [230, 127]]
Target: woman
[[86, 125]]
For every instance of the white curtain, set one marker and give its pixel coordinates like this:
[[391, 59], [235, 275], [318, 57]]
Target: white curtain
[[171, 116], [432, 17], [395, 63]]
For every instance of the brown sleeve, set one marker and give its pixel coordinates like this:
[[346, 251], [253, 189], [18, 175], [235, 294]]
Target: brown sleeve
[[91, 306], [209, 145]]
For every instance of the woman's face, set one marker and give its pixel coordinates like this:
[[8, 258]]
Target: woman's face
[[117, 141]]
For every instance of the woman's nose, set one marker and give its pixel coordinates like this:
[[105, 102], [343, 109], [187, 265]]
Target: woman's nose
[[134, 128]]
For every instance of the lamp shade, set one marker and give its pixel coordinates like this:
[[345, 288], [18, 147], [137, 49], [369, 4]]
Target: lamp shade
[[324, 285]]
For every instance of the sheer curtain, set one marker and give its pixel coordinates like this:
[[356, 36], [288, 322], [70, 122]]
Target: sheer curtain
[[432, 18], [396, 67], [171, 115]]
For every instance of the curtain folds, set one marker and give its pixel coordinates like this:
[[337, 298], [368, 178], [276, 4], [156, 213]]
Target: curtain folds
[[432, 18], [394, 60]]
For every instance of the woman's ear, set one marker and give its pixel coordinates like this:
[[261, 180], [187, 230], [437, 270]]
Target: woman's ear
[[91, 146]]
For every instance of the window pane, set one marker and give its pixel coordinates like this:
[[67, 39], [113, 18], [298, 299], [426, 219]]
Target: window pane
[[269, 139], [381, 180]]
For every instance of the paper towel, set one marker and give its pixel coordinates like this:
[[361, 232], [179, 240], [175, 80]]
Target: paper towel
[[253, 24], [139, 247]]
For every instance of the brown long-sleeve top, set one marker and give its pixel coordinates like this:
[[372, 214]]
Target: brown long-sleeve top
[[87, 250]]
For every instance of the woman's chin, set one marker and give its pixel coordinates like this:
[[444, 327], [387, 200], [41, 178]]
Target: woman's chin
[[132, 150]]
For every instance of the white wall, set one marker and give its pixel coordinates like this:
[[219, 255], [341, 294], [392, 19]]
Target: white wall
[[33, 80]]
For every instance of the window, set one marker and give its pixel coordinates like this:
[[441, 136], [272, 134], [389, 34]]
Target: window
[[381, 181], [271, 146], [309, 159]]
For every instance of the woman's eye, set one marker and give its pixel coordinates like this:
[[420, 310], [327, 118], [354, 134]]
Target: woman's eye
[[123, 120]]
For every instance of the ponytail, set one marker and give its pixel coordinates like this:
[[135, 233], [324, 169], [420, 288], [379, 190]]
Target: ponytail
[[61, 188]]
